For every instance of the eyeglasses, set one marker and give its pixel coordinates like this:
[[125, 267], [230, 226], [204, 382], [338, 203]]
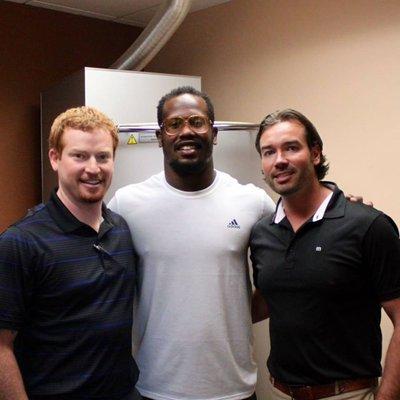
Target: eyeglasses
[[175, 125]]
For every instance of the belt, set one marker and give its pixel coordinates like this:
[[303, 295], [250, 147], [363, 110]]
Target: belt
[[314, 392]]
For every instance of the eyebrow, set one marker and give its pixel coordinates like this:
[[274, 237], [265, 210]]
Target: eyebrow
[[288, 143], [292, 142], [73, 150]]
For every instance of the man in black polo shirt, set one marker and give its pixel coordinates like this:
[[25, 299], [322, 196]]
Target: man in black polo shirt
[[67, 277], [324, 267]]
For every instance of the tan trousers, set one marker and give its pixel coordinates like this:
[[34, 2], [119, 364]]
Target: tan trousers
[[363, 394], [252, 397]]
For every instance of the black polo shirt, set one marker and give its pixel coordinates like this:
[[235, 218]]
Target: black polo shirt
[[324, 285], [68, 291]]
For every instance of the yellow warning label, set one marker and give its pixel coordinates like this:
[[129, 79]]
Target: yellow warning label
[[132, 139]]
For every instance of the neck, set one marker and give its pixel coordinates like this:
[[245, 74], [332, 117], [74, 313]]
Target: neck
[[190, 182], [88, 213], [300, 206]]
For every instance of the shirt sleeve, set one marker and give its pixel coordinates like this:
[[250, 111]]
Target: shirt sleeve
[[268, 208], [16, 283], [381, 250], [268, 204], [113, 204], [253, 258]]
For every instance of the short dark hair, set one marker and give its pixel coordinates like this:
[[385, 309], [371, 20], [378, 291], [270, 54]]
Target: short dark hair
[[184, 90], [312, 135]]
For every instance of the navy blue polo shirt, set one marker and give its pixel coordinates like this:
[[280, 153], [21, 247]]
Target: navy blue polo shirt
[[68, 291], [324, 285]]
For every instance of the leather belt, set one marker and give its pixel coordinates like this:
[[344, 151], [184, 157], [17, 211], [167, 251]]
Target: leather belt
[[315, 392]]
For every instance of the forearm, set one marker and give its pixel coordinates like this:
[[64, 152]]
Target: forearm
[[11, 384], [390, 385], [259, 308]]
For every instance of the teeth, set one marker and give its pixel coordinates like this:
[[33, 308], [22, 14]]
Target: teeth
[[187, 147]]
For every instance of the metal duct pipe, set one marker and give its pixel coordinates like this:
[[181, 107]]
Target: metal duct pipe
[[168, 18]]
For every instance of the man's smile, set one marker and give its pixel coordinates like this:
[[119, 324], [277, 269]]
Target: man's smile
[[284, 176]]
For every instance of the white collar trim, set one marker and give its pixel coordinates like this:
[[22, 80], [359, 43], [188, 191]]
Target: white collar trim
[[319, 214], [280, 213]]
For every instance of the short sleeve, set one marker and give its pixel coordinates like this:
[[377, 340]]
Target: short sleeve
[[268, 204], [112, 204], [253, 258], [16, 283], [381, 251], [268, 208]]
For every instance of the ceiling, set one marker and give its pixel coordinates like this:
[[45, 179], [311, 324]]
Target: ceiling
[[131, 12]]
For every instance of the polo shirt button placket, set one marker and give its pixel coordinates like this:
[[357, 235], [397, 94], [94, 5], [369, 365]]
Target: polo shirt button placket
[[290, 255]]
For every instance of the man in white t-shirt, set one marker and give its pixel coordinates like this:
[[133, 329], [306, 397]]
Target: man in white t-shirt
[[190, 226]]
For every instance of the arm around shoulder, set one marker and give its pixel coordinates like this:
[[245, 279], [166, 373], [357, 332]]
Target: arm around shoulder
[[11, 384]]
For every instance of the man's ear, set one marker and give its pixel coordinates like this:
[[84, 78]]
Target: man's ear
[[54, 157], [215, 133], [159, 137], [316, 154]]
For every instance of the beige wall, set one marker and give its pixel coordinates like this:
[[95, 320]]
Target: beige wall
[[338, 61]]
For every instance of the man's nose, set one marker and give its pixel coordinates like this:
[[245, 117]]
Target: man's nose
[[92, 166], [280, 160], [186, 129]]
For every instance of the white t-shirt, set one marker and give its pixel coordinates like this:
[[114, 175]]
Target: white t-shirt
[[192, 323]]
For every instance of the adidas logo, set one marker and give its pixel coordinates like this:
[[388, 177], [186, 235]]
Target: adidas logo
[[233, 224]]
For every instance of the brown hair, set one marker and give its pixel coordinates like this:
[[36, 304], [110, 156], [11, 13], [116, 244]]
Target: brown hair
[[82, 118]]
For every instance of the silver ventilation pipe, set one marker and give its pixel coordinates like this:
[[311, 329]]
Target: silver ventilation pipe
[[163, 25]]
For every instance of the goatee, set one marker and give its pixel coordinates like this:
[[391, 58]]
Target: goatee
[[188, 168]]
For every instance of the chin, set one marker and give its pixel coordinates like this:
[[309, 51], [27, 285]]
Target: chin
[[287, 191], [92, 197], [281, 190], [188, 168]]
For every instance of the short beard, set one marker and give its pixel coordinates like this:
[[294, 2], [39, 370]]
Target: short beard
[[92, 199], [189, 168]]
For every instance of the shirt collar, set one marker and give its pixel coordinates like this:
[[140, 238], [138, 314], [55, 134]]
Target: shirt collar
[[279, 213], [319, 214], [68, 222]]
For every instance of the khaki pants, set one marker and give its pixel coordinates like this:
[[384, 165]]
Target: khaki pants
[[253, 397], [363, 394]]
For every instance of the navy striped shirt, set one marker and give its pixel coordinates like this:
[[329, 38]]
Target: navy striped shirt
[[68, 291]]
